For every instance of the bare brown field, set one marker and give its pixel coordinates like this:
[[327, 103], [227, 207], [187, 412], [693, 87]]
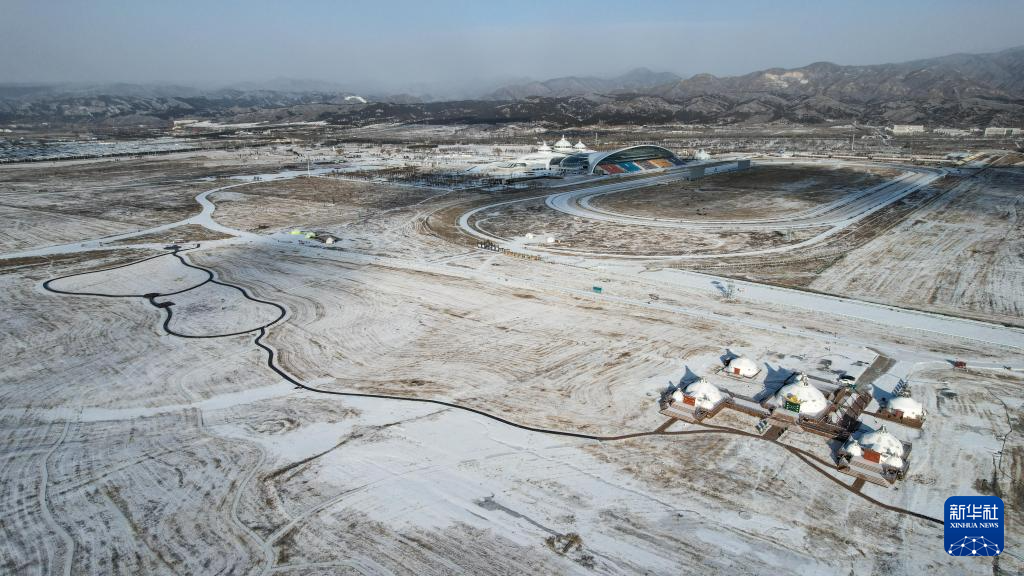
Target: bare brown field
[[59, 203], [770, 191], [583, 235], [312, 202]]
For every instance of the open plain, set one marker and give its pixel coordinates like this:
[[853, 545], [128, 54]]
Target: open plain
[[189, 386]]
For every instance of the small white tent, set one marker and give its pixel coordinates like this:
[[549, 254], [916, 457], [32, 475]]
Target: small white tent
[[743, 366], [707, 394]]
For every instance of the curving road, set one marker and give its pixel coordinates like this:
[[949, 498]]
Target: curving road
[[203, 218], [836, 216]]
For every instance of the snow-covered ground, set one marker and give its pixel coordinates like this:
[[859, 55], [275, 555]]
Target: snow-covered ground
[[131, 450]]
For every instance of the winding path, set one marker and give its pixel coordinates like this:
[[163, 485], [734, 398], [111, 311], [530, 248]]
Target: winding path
[[261, 333]]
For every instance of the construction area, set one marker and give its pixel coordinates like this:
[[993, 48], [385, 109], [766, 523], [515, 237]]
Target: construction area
[[368, 365]]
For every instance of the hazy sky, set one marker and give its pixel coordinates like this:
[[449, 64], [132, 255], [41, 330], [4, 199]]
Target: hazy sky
[[450, 45]]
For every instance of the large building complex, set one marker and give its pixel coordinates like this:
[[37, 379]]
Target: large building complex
[[565, 158], [621, 161]]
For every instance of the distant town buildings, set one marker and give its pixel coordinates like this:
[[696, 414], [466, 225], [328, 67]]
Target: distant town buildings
[[995, 132], [898, 129], [952, 132]]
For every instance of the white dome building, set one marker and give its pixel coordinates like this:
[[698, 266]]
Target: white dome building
[[881, 441], [707, 394], [579, 145], [811, 401], [908, 406], [563, 146], [543, 147], [743, 366]]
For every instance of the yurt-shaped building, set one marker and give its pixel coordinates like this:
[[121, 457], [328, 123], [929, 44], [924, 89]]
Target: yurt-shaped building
[[877, 446], [705, 394], [799, 396], [742, 366]]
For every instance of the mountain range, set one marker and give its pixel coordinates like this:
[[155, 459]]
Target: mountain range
[[637, 80], [955, 90]]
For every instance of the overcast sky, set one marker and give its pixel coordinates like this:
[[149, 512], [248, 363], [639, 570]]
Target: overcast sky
[[451, 45]]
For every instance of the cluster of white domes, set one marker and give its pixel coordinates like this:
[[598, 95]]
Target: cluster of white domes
[[563, 145], [888, 447], [799, 391]]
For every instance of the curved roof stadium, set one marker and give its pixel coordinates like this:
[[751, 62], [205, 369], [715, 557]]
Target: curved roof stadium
[[631, 159]]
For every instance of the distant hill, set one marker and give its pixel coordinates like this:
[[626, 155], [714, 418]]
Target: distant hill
[[956, 90], [637, 80], [997, 75]]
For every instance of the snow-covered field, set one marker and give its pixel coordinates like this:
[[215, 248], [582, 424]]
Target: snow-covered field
[[962, 252], [505, 415]]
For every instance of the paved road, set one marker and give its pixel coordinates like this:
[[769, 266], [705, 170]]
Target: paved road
[[895, 317], [836, 216], [203, 218]]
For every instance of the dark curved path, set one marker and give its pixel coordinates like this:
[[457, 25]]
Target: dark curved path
[[166, 306], [804, 456]]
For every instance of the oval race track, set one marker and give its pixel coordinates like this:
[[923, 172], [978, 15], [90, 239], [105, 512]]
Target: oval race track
[[836, 215]]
